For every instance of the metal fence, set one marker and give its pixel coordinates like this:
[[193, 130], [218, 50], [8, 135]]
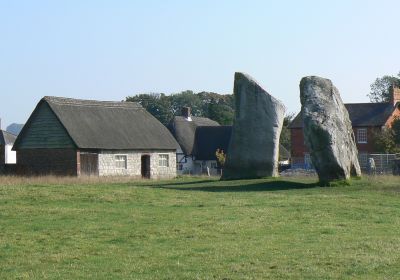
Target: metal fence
[[384, 163]]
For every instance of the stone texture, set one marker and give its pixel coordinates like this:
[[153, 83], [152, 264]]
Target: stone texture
[[254, 144], [107, 165], [327, 130]]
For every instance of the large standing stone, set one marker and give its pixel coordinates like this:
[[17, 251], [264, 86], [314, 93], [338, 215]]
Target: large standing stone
[[327, 130], [254, 145]]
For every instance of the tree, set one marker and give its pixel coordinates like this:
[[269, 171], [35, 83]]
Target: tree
[[285, 134], [157, 104], [380, 88], [221, 158], [396, 130], [217, 107], [384, 142], [387, 140], [186, 98]]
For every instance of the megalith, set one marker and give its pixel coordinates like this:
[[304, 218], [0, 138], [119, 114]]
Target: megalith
[[328, 132], [254, 144]]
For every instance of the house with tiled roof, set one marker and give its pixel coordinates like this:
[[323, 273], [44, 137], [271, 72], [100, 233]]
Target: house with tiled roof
[[367, 119], [65, 136]]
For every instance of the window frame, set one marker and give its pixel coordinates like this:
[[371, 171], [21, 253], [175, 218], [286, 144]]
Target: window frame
[[163, 158], [117, 161], [362, 135]]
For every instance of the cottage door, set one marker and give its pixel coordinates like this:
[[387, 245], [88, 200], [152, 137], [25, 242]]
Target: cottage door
[[145, 166], [89, 164]]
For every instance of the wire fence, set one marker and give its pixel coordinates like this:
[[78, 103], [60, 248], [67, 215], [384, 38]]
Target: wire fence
[[369, 163], [384, 163]]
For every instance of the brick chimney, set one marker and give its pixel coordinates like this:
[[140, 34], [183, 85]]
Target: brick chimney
[[394, 95], [186, 113]]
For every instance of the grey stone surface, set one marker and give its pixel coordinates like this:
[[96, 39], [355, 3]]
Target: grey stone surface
[[107, 164], [254, 144], [327, 130]]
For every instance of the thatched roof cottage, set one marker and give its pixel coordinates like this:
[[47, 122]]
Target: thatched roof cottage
[[67, 136]]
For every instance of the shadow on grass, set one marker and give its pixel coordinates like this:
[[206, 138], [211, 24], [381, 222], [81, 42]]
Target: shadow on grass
[[235, 186]]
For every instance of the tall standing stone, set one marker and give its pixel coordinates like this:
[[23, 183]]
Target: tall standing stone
[[254, 146], [327, 130]]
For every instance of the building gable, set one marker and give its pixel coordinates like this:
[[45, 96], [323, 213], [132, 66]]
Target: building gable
[[43, 130]]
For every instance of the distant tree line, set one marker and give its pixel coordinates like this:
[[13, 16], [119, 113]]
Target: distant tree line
[[218, 107], [380, 88]]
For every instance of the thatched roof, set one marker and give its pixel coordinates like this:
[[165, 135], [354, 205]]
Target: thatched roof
[[7, 138], [108, 125], [184, 131], [361, 114]]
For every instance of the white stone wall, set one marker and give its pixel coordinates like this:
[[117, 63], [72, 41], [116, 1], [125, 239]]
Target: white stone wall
[[186, 161], [160, 172], [10, 155], [107, 165]]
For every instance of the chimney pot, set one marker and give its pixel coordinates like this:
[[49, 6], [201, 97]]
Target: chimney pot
[[186, 112]]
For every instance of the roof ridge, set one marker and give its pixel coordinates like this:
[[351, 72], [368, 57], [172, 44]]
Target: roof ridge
[[91, 103]]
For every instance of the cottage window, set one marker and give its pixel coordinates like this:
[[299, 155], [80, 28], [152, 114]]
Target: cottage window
[[362, 135], [120, 162], [163, 160]]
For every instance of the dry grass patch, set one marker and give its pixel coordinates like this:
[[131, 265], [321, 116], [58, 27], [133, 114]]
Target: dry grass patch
[[65, 180]]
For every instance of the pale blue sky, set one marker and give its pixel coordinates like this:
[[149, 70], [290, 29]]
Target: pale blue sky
[[107, 50]]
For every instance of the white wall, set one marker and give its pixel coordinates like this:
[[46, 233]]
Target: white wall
[[107, 166], [186, 161], [10, 156]]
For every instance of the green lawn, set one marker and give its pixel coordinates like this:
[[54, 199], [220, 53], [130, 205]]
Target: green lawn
[[201, 229]]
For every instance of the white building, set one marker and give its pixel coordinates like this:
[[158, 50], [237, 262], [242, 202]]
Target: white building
[[198, 138], [7, 156]]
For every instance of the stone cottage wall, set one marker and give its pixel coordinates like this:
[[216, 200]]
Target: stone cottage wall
[[107, 164], [158, 172]]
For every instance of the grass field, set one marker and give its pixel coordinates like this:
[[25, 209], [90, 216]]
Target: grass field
[[199, 228]]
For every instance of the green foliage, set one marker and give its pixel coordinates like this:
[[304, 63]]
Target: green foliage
[[217, 107], [201, 229], [383, 141], [285, 134], [221, 157], [387, 140], [396, 131], [380, 88], [157, 104]]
